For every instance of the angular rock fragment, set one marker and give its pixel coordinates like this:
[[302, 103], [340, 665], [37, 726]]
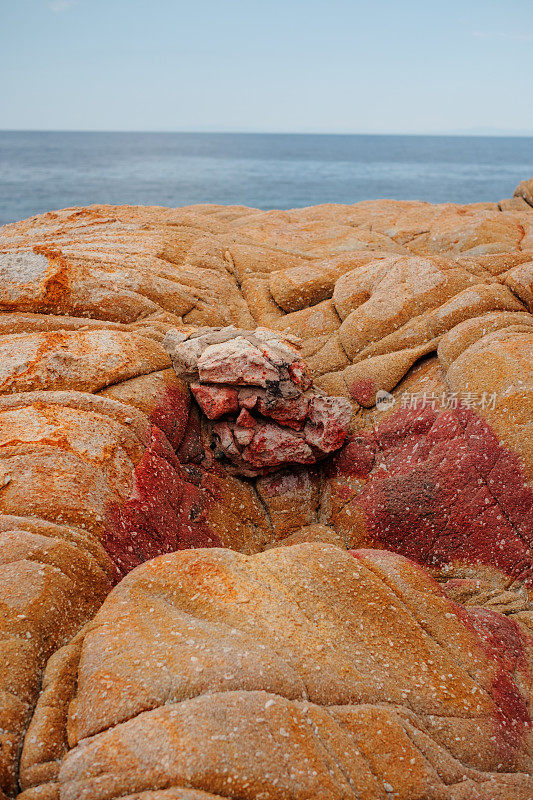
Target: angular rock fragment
[[273, 445], [257, 382], [237, 362], [215, 401]]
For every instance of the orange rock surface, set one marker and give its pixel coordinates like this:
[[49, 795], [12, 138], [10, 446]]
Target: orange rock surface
[[105, 464]]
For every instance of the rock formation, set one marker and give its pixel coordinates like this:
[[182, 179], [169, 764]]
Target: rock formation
[[301, 672], [341, 377], [258, 390]]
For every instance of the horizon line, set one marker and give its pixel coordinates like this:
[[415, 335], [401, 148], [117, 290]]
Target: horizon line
[[452, 134]]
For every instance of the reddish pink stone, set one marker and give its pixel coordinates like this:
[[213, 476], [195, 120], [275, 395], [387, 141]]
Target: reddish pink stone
[[291, 413], [328, 421], [245, 419], [272, 446], [215, 400], [300, 375], [248, 397], [236, 362]]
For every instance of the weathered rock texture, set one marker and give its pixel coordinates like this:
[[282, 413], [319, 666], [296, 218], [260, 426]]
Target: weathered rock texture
[[104, 462], [304, 672]]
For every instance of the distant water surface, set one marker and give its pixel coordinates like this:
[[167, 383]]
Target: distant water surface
[[40, 171]]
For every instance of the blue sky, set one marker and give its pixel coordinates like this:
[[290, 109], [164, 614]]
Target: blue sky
[[343, 66]]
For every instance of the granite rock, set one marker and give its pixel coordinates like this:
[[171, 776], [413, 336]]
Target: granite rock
[[306, 671], [105, 463]]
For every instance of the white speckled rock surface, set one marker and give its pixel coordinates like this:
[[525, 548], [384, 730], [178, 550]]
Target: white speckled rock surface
[[105, 463]]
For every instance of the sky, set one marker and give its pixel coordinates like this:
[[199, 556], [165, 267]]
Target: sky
[[311, 66]]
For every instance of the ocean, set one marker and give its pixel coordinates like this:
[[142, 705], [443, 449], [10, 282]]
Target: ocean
[[40, 171]]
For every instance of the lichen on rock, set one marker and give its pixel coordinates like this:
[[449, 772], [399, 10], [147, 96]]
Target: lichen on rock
[[238, 615]]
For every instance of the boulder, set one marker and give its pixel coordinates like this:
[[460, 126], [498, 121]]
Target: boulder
[[305, 671]]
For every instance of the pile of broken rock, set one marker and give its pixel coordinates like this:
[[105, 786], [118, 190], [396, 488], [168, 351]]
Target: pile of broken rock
[[259, 390], [225, 572]]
